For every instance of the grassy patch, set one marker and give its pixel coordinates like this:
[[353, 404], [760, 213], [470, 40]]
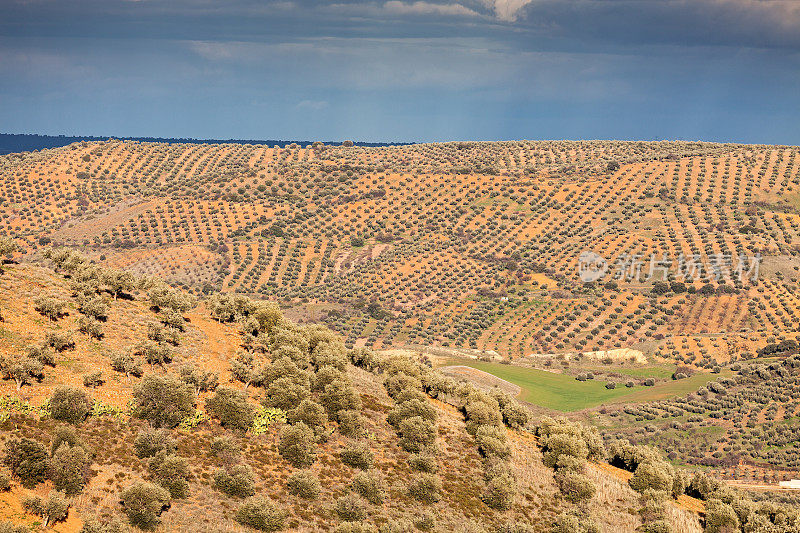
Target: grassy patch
[[564, 393]]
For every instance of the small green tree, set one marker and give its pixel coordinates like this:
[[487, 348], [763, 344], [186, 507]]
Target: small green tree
[[304, 484], [296, 445], [237, 481], [163, 400], [261, 514], [231, 407], [27, 459], [143, 503], [171, 472], [69, 404], [69, 469]]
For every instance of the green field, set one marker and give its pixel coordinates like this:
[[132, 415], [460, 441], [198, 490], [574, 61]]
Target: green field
[[564, 393]]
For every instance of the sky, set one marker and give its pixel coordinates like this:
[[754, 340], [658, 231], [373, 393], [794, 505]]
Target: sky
[[417, 70]]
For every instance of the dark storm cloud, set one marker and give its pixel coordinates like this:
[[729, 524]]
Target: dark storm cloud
[[716, 69]]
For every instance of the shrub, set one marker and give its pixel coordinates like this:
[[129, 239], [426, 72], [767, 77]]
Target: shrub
[[357, 455], [352, 424], [370, 486], [8, 527], [296, 445], [285, 393], [574, 523], [423, 462], [232, 409], [68, 468], [425, 488], [93, 525], [652, 475], [52, 509], [69, 404], [262, 514], [304, 484], [27, 459], [163, 400], [720, 517], [499, 493], [310, 413], [143, 502], [492, 442], [93, 379], [562, 444], [235, 481], [355, 527], [351, 508], [575, 487], [515, 416], [411, 408], [480, 413], [171, 472], [339, 396], [5, 481], [225, 448], [416, 433], [150, 442]]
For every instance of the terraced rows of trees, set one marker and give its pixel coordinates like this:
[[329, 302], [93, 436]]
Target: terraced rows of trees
[[467, 245]]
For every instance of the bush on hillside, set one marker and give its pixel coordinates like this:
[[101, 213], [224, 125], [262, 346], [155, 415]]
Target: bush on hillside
[[27, 459], [69, 404], [304, 484], [143, 503], [163, 400]]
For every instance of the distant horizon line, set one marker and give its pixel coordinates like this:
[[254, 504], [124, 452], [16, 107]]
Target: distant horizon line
[[7, 147]]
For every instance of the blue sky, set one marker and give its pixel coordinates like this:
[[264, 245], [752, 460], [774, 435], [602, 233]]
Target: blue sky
[[720, 70]]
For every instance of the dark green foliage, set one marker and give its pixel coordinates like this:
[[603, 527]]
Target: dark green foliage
[[574, 522], [163, 400], [351, 508], [69, 404], [339, 395], [237, 481], [720, 517], [499, 493], [143, 503], [352, 424], [52, 509], [423, 462], [357, 455], [261, 514], [425, 488], [304, 484], [409, 408], [491, 442], [286, 394], [310, 413], [171, 472], [297, 445], [416, 434], [93, 379], [575, 487], [232, 408], [150, 442], [370, 486], [27, 459], [69, 468]]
